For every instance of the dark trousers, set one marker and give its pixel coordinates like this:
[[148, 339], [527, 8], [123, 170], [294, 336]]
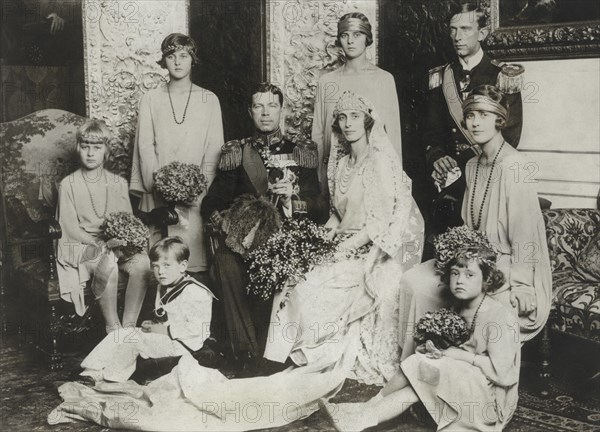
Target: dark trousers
[[243, 320]]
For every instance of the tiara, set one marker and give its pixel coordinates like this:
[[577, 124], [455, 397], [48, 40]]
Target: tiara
[[172, 48], [351, 102], [91, 139]]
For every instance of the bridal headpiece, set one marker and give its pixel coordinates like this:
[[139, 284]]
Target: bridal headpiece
[[352, 102]]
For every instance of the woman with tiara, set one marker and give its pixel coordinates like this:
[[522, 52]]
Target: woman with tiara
[[361, 77], [345, 312], [381, 232]]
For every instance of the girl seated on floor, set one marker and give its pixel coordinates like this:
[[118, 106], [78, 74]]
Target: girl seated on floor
[[470, 387], [86, 197]]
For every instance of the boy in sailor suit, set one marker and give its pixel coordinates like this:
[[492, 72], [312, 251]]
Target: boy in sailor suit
[[183, 309]]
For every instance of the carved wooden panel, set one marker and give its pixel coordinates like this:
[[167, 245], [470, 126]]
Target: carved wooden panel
[[122, 45], [301, 46]]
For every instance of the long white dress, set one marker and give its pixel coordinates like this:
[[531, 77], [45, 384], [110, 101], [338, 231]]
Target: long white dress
[[354, 323], [160, 141]]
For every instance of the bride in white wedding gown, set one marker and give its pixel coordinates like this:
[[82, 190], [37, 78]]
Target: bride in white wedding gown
[[345, 314]]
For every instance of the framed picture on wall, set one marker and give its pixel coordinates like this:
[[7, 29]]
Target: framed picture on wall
[[544, 29]]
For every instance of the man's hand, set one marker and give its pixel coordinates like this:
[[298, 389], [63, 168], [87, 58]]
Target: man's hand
[[285, 190], [152, 327], [442, 167], [58, 23], [525, 303]]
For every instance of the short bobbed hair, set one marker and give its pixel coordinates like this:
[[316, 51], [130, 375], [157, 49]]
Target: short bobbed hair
[[361, 16], [493, 278], [94, 131], [494, 94], [264, 87], [178, 39], [170, 245]]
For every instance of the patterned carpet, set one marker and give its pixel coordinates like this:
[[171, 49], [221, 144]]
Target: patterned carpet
[[28, 394]]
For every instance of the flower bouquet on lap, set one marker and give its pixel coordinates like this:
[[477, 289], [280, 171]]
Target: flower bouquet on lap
[[124, 233], [439, 330], [125, 236], [287, 255], [444, 328]]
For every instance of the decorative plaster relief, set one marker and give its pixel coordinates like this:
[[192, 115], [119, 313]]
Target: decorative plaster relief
[[122, 45], [301, 46]]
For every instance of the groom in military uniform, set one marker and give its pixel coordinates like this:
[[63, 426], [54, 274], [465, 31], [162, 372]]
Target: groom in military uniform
[[258, 165], [449, 145]]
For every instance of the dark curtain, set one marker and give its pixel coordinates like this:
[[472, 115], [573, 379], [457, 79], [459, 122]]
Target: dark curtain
[[232, 50], [414, 38]]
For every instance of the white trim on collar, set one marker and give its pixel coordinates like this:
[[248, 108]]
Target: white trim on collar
[[473, 61]]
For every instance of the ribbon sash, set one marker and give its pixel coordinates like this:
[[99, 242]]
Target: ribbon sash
[[454, 103]]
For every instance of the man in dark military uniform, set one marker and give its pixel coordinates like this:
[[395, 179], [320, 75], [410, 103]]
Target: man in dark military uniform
[[448, 144], [258, 165]]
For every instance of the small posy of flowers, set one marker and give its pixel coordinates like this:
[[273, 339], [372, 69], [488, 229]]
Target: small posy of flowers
[[180, 183], [444, 328], [291, 252], [127, 230], [449, 243]]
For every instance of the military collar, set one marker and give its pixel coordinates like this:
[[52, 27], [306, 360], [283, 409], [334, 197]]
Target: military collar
[[472, 62], [270, 139]]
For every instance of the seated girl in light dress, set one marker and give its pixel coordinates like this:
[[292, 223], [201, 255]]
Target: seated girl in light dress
[[86, 197], [471, 387]]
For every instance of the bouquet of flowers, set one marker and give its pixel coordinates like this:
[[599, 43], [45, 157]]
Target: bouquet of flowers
[[447, 244], [289, 253], [443, 328], [180, 183], [127, 230]]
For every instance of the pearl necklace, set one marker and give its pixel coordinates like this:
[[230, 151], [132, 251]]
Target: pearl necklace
[[348, 175], [186, 104], [485, 193], [98, 215]]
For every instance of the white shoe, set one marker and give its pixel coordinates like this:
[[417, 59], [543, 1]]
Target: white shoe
[[348, 417]]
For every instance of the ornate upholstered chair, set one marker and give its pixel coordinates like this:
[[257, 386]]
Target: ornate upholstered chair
[[36, 152], [575, 297]]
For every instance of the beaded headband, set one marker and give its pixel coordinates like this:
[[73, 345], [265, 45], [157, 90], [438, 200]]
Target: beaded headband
[[484, 103], [351, 102], [354, 24], [92, 139], [170, 49]]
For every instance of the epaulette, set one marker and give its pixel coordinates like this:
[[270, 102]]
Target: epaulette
[[510, 78], [435, 77], [305, 153], [231, 155]]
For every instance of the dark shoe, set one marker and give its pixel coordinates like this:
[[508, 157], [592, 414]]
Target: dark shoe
[[210, 355], [246, 365], [150, 369], [268, 367]]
